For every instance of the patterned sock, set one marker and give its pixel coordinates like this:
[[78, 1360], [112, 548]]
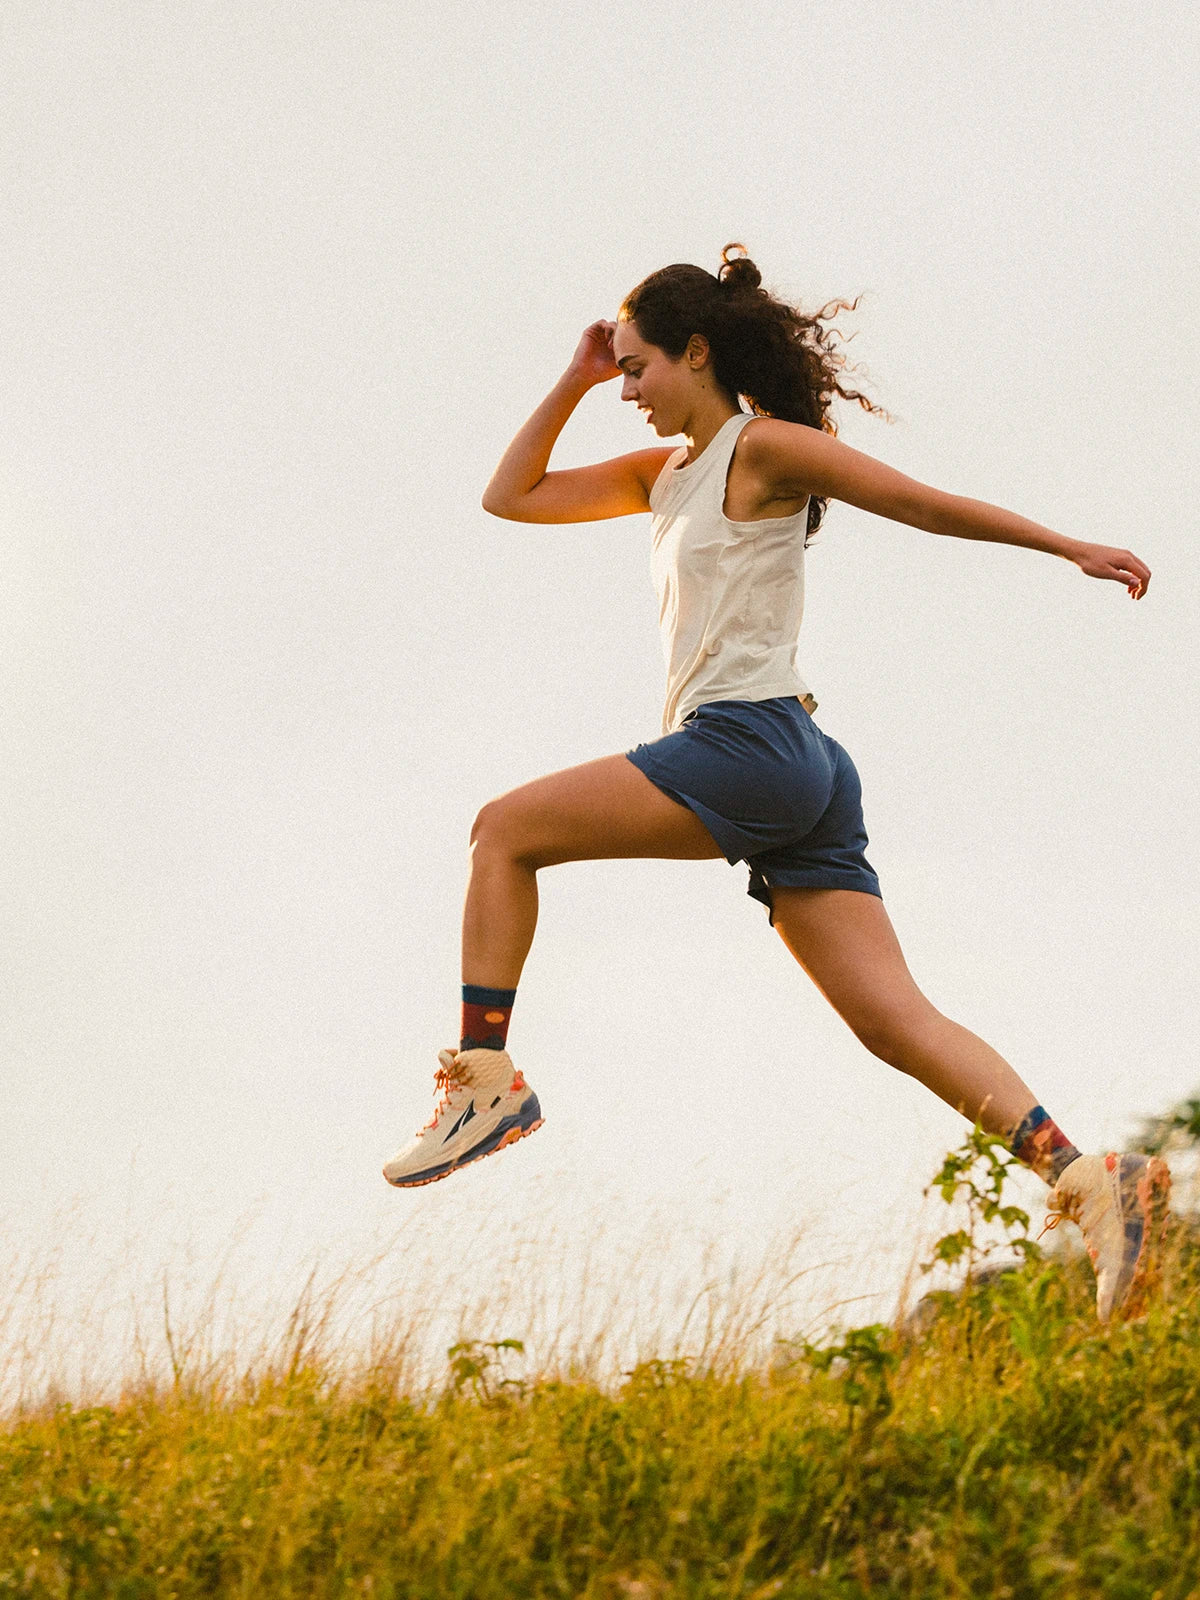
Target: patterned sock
[[485, 1017], [1042, 1145]]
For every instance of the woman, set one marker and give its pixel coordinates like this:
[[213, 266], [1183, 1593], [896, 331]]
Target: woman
[[742, 770]]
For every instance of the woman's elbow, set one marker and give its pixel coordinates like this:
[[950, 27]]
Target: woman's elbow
[[497, 507]]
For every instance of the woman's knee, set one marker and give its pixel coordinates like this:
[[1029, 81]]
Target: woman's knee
[[493, 827], [502, 828], [482, 823]]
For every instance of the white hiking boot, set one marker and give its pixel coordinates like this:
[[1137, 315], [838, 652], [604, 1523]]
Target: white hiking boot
[[1120, 1203], [485, 1105]]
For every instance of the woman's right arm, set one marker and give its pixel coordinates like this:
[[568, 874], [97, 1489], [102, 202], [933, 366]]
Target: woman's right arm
[[521, 490]]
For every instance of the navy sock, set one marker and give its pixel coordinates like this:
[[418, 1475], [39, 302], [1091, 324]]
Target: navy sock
[[485, 1017], [1041, 1144]]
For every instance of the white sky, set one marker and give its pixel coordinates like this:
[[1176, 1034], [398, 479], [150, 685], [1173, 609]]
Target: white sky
[[280, 283]]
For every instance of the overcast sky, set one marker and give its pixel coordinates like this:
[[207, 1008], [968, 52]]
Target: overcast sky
[[280, 283]]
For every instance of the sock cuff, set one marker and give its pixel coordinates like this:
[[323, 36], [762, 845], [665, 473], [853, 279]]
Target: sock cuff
[[1028, 1124], [1039, 1143], [475, 994]]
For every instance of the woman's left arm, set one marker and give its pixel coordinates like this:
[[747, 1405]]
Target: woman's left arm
[[792, 460]]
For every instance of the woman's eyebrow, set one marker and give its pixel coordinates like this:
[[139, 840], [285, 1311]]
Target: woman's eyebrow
[[624, 359]]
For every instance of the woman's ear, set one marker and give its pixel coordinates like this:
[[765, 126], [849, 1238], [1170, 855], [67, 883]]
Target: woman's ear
[[697, 352]]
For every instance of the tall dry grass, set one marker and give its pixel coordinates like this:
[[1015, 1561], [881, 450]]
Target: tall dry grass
[[1001, 1443]]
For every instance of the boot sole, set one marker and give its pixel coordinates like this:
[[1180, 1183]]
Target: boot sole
[[504, 1134]]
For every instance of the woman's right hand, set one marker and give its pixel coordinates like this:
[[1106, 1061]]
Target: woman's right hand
[[593, 358]]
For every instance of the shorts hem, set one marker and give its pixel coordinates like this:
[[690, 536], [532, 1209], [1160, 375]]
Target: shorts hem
[[801, 878], [726, 838]]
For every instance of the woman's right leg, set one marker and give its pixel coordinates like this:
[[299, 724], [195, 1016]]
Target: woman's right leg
[[844, 940]]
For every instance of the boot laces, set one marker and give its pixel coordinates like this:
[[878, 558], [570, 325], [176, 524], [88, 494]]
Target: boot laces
[[446, 1079], [1068, 1209]]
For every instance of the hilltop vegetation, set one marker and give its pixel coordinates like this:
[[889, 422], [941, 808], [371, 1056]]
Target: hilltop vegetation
[[1000, 1444]]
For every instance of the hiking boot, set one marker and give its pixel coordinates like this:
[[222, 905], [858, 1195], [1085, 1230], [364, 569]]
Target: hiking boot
[[485, 1105], [1120, 1203]]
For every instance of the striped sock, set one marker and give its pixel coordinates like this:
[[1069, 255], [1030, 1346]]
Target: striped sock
[[485, 1017], [1042, 1145]]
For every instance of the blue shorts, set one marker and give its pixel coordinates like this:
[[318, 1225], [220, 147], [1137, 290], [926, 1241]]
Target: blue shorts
[[772, 789]]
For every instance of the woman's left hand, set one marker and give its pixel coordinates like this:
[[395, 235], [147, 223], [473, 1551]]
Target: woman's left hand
[[1102, 561]]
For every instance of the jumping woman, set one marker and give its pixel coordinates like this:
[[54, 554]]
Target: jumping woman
[[742, 770]]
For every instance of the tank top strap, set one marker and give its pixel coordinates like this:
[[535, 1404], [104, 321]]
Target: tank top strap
[[711, 466], [727, 437]]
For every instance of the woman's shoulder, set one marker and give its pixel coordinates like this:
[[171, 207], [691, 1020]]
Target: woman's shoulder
[[767, 436], [781, 454], [658, 466], [648, 464]]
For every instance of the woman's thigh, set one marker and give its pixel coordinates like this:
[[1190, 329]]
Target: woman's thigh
[[601, 809], [845, 941]]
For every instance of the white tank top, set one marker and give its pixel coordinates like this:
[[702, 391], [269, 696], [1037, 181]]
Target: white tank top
[[730, 594]]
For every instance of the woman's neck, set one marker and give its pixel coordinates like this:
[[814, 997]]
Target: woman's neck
[[706, 421]]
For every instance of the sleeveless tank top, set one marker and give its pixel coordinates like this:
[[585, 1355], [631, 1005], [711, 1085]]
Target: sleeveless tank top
[[730, 594]]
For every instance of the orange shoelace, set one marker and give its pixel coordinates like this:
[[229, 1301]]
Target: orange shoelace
[[447, 1080], [1067, 1212]]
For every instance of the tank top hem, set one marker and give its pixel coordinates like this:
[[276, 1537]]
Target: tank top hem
[[793, 689]]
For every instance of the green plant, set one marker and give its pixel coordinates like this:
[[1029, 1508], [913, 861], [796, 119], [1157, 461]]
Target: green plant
[[863, 1360], [978, 1171]]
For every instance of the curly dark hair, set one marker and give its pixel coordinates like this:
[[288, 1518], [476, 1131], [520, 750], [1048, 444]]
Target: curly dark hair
[[783, 362]]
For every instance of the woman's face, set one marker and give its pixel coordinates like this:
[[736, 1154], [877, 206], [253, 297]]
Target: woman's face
[[663, 388]]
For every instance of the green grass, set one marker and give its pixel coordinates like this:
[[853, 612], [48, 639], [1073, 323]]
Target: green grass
[[1011, 1447]]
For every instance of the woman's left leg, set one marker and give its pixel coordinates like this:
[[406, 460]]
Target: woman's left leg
[[845, 941], [599, 810], [605, 809]]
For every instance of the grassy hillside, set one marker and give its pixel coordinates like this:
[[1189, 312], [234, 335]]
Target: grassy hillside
[[1000, 1444]]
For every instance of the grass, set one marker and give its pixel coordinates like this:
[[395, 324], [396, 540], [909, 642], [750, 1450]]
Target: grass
[[999, 1444]]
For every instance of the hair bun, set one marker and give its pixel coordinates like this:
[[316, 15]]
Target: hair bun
[[737, 272]]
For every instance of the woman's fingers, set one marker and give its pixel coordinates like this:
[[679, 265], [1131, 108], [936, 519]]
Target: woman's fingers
[[1134, 574], [594, 355], [1121, 565]]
